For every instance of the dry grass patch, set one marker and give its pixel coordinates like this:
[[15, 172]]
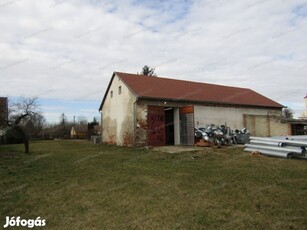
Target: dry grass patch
[[77, 185]]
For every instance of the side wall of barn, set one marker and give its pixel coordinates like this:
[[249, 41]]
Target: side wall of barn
[[117, 114]]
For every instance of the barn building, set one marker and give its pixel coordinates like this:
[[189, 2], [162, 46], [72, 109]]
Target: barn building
[[139, 110]]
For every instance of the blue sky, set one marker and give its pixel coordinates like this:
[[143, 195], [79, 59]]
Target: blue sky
[[65, 51], [71, 109]]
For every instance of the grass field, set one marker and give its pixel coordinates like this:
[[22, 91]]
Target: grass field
[[77, 185]]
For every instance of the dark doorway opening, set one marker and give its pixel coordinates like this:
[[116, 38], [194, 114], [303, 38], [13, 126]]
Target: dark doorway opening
[[169, 126]]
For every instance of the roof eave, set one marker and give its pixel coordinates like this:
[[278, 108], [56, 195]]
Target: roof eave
[[106, 93], [131, 90], [209, 102]]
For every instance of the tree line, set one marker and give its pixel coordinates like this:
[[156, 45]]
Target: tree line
[[62, 129], [24, 121]]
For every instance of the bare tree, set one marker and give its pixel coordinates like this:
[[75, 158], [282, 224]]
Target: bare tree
[[35, 126], [63, 127], [19, 113], [148, 71], [287, 113]]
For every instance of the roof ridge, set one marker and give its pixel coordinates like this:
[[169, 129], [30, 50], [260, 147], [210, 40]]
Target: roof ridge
[[195, 82], [162, 88]]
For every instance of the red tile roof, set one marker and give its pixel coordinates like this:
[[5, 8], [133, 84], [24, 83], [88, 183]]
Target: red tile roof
[[179, 90]]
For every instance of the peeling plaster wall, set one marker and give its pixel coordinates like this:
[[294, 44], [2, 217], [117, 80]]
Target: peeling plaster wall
[[264, 126], [117, 115], [232, 116], [141, 125]]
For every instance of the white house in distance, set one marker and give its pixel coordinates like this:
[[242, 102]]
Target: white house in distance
[[139, 110], [304, 114]]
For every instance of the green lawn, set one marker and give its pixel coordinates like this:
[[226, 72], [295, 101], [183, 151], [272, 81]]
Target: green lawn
[[77, 185]]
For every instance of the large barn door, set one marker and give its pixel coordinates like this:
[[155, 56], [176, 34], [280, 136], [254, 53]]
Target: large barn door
[[187, 125], [156, 126]]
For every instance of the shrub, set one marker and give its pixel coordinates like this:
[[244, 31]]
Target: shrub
[[13, 136]]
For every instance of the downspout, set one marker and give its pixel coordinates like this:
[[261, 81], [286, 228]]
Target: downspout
[[134, 119]]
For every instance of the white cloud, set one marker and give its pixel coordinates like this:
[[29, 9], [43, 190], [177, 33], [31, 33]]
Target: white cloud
[[69, 49]]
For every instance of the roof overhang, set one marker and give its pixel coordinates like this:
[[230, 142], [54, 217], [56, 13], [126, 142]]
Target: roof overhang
[[106, 93], [212, 103], [184, 100]]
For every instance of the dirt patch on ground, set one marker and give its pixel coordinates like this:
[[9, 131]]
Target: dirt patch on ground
[[177, 149]]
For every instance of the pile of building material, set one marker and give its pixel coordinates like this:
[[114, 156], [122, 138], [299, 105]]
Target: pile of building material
[[213, 135], [285, 146], [218, 135]]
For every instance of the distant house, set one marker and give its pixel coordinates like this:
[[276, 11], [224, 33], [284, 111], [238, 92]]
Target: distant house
[[299, 126], [138, 110], [304, 114], [79, 132]]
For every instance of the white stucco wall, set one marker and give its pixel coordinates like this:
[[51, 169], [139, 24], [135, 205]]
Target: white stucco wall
[[231, 116], [304, 113], [117, 114]]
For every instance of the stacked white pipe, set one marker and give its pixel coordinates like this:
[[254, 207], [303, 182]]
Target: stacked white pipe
[[283, 146]]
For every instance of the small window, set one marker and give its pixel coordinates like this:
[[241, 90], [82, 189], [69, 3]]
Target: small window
[[119, 90], [111, 94]]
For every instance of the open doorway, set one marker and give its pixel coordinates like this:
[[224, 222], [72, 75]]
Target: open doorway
[[169, 126]]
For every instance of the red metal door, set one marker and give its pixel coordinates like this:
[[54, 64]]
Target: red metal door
[[156, 125]]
